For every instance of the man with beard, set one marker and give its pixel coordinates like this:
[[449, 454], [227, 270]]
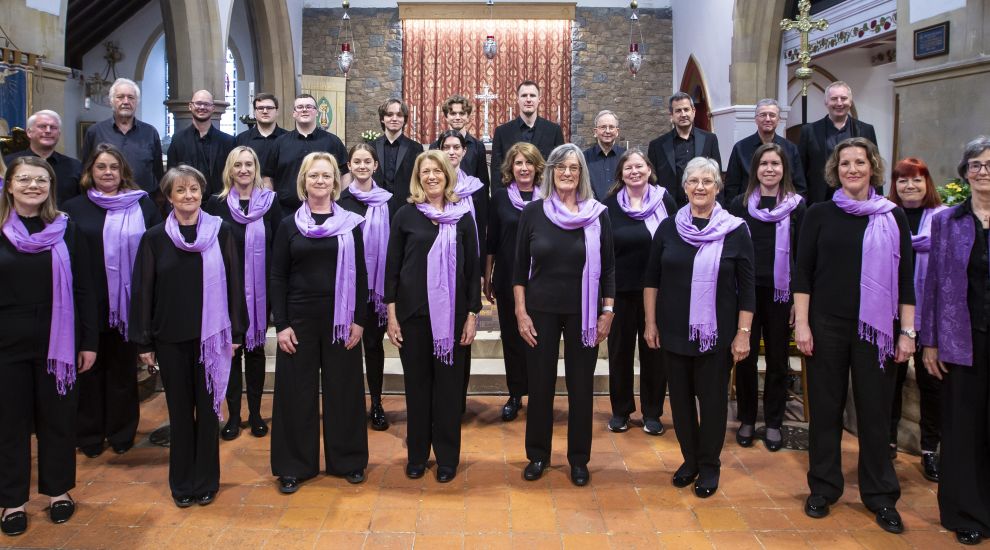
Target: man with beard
[[671, 152], [201, 145]]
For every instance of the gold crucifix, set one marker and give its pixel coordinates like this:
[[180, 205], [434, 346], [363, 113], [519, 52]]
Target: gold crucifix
[[804, 25]]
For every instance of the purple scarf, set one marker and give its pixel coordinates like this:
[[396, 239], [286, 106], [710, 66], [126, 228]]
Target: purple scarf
[[255, 292], [702, 324], [62, 336], [878, 280], [122, 232], [375, 233], [441, 276], [781, 216], [466, 186], [215, 339], [515, 197], [922, 243], [586, 218], [652, 211], [339, 224]]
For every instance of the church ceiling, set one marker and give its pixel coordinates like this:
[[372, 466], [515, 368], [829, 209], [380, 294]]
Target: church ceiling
[[90, 22]]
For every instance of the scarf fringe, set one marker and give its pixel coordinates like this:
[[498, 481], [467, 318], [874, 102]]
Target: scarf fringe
[[255, 339], [706, 335], [341, 332], [781, 295], [381, 308], [214, 353], [64, 373], [443, 349], [883, 341], [589, 336], [118, 323]]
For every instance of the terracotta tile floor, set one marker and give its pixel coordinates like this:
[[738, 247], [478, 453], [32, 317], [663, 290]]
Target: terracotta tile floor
[[124, 501]]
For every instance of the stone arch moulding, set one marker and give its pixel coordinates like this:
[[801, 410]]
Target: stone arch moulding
[[755, 67], [149, 44], [275, 65], [693, 82]]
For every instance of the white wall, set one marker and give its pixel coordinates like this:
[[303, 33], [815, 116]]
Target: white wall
[[393, 3]]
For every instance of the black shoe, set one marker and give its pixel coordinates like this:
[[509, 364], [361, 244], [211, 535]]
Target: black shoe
[[580, 475], [890, 521], [231, 429], [15, 523], [745, 440], [969, 538], [61, 510], [259, 428], [446, 474], [92, 451], [683, 477], [653, 426], [355, 477], [379, 422], [183, 501], [774, 446], [415, 471], [511, 409], [121, 448], [207, 498], [816, 506], [618, 424], [929, 466], [704, 490], [288, 485], [534, 470]]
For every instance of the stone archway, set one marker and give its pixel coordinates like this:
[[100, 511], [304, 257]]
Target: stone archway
[[693, 82], [275, 66], [754, 72], [196, 52]]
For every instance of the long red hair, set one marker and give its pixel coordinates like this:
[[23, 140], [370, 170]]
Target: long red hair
[[911, 167]]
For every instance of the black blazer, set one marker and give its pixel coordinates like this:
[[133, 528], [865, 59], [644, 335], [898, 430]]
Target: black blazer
[[814, 154], [546, 136], [409, 149], [184, 149], [661, 154], [737, 172]]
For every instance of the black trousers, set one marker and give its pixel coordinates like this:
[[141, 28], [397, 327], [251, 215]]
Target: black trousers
[[318, 364], [929, 389], [108, 394], [705, 378], [254, 376], [513, 347], [579, 375], [194, 452], [770, 321], [838, 350], [467, 378], [626, 334], [433, 394], [374, 353], [964, 480]]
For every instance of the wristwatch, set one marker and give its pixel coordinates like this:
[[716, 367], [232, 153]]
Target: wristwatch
[[608, 309], [909, 332]]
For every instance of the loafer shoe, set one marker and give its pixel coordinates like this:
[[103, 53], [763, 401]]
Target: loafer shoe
[[704, 491], [379, 422], [288, 485], [415, 471], [15, 523], [653, 426], [816, 506], [683, 477], [580, 475], [890, 521], [355, 477], [929, 466], [183, 501], [61, 510], [92, 451], [618, 424], [534, 470], [511, 409], [206, 498], [969, 538], [446, 474], [259, 428], [231, 429]]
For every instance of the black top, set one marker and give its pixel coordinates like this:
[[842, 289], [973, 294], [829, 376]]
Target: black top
[[835, 135], [141, 146], [480, 200], [503, 221], [544, 135], [977, 272], [413, 234], [670, 269], [26, 300], [406, 150], [89, 219], [741, 159], [665, 165], [207, 153], [167, 289], [389, 162], [557, 257], [683, 152], [764, 235], [304, 275], [814, 151], [914, 218], [68, 172], [286, 158], [830, 260], [601, 168], [632, 241], [262, 145]]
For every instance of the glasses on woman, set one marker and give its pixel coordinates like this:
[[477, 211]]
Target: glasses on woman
[[975, 166], [25, 181]]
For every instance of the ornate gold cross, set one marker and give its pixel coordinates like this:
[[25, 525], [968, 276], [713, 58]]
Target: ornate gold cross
[[804, 24]]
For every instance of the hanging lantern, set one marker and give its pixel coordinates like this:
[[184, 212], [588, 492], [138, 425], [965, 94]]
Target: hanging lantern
[[634, 60], [490, 47], [346, 57]]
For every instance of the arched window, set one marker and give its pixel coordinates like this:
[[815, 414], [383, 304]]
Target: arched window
[[228, 120]]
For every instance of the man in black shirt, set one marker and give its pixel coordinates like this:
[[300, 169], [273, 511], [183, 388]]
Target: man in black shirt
[[261, 137], [737, 173], [528, 127], [396, 152], [671, 152], [201, 145], [290, 149], [603, 156], [44, 129], [456, 111]]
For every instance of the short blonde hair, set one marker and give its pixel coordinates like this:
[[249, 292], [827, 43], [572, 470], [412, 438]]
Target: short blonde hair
[[307, 163], [228, 170], [417, 195]]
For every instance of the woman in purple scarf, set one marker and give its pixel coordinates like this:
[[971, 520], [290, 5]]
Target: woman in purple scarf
[[188, 315], [112, 213], [636, 206], [253, 214], [913, 190], [319, 297], [433, 292], [698, 299], [852, 279], [773, 211], [521, 173], [49, 326], [564, 247]]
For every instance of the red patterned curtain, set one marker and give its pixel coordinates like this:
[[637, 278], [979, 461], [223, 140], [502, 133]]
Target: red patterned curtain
[[444, 57]]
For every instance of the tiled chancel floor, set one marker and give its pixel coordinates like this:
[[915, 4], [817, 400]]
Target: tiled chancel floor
[[124, 501]]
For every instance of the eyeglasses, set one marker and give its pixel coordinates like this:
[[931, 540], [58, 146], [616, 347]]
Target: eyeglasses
[[305, 107], [201, 104], [25, 181], [560, 168], [266, 108], [606, 128], [695, 182], [975, 166]]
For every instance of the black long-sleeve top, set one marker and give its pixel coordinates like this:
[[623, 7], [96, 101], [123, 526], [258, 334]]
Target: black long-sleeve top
[[167, 289], [503, 223], [764, 235], [830, 260], [557, 258], [632, 241], [480, 200], [304, 275], [409, 243], [89, 219], [26, 283], [670, 269]]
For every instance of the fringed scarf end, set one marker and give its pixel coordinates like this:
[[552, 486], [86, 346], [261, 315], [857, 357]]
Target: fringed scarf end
[[589, 337], [64, 373], [883, 341], [443, 349], [341, 332], [215, 356], [381, 308], [255, 339], [706, 336], [781, 295]]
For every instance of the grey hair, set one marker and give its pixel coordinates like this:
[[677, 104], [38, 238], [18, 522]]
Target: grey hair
[[837, 84], [120, 82], [606, 112], [974, 148], [703, 164], [679, 96], [44, 112], [767, 101], [181, 172], [556, 157]]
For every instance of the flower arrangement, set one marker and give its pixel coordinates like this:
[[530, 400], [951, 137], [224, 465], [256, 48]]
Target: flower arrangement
[[369, 136], [954, 192]]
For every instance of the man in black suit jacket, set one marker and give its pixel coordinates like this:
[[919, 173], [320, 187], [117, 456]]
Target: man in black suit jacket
[[396, 152], [737, 173], [456, 111], [819, 138], [529, 127], [671, 152], [201, 145]]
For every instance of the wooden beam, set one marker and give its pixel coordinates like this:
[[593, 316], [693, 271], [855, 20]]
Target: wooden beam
[[434, 10]]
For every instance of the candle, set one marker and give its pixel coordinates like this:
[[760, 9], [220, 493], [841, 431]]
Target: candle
[[510, 112], [558, 113], [414, 120]]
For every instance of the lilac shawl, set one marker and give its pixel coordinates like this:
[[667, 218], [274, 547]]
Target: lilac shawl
[[62, 337], [515, 197], [122, 230], [215, 339], [651, 212], [702, 324], [255, 291], [779, 215], [922, 244], [375, 234]]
